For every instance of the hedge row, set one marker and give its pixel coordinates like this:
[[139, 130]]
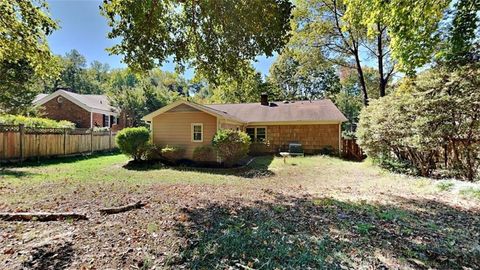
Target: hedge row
[[34, 122]]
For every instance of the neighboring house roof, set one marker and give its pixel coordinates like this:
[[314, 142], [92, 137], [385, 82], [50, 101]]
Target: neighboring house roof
[[291, 112], [303, 111], [91, 103], [200, 107]]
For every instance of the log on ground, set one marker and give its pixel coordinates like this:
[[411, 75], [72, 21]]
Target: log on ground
[[120, 209], [42, 216]]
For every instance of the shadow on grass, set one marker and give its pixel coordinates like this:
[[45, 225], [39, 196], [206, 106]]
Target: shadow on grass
[[324, 233], [14, 173], [256, 169], [60, 160]]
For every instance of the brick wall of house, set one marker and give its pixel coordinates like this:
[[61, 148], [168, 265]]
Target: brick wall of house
[[122, 120], [313, 138], [67, 110], [97, 119]]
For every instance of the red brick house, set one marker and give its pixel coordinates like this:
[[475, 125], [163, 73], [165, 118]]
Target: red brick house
[[86, 111]]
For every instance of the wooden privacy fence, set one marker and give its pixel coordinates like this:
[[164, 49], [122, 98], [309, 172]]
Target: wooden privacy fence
[[18, 143], [351, 150]]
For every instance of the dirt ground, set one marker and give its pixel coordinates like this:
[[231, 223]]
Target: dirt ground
[[316, 212]]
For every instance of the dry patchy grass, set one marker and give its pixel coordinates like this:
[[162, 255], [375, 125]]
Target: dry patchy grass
[[313, 212]]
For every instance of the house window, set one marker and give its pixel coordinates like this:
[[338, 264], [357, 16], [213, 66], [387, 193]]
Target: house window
[[261, 135], [197, 132], [257, 134], [251, 133], [106, 120]]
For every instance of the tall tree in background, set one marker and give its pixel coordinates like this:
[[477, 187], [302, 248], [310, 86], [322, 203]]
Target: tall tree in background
[[351, 32], [461, 43], [213, 36], [303, 75], [73, 71], [411, 27], [139, 94], [24, 52], [75, 75], [320, 24], [227, 89]]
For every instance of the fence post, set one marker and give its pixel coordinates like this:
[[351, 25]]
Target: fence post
[[21, 129], [110, 140], [91, 141], [64, 141]]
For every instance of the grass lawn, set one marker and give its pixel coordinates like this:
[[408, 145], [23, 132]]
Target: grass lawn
[[313, 212]]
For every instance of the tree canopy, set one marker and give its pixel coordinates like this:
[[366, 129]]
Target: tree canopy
[[212, 36], [24, 52], [24, 27]]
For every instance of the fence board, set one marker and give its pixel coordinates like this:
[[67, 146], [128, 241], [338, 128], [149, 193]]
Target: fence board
[[351, 150], [38, 143]]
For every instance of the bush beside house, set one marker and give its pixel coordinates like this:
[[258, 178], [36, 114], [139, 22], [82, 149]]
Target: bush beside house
[[172, 153], [133, 142], [203, 154], [429, 124], [231, 146]]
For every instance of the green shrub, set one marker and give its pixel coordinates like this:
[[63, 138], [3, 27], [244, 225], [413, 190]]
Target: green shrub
[[133, 142], [34, 122], [231, 145], [204, 153], [152, 152], [172, 153], [431, 123]]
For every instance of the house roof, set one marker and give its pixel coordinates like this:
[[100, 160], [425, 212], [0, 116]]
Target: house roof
[[291, 112], [299, 111], [92, 103], [211, 111]]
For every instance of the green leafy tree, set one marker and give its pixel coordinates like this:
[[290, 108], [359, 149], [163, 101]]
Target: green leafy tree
[[430, 122], [352, 32], [246, 88], [461, 44], [24, 52], [25, 26], [303, 75], [212, 36], [320, 25], [16, 91], [139, 94], [411, 26]]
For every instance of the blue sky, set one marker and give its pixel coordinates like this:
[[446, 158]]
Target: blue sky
[[83, 28]]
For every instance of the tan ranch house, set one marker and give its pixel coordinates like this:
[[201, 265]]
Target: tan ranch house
[[272, 125]]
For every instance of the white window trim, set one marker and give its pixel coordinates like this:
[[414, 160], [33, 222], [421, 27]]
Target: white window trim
[[192, 131], [255, 132]]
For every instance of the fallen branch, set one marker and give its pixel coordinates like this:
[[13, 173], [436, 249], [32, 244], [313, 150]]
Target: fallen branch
[[41, 216], [120, 209]]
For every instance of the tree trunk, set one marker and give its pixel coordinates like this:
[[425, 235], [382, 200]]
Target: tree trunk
[[361, 78], [381, 76]]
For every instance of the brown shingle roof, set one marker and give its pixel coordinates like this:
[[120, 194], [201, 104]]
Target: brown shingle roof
[[316, 110]]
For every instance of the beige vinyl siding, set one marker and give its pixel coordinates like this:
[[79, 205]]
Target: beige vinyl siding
[[175, 128]]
